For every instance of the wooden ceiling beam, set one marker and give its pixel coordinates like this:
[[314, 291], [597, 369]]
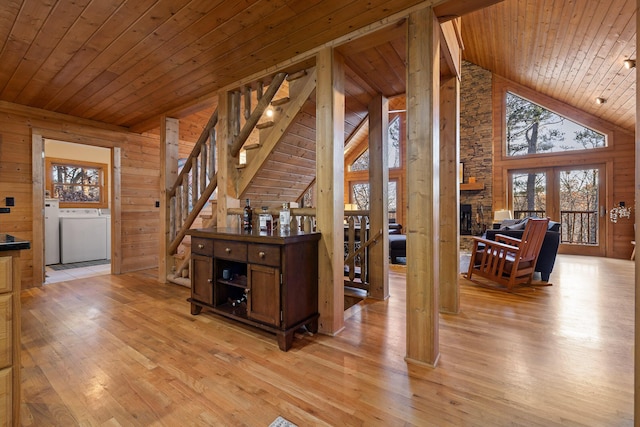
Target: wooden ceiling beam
[[451, 9]]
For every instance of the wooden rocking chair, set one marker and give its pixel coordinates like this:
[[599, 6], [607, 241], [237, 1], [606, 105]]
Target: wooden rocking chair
[[507, 260]]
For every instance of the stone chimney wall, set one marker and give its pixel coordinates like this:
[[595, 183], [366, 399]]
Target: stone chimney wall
[[476, 147]]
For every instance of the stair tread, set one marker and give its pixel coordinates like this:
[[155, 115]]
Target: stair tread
[[241, 166], [264, 125], [295, 76], [280, 101], [252, 146]]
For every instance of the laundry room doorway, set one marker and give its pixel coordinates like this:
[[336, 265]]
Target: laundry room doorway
[[75, 182]]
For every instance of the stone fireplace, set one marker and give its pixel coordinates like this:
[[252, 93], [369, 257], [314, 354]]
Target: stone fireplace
[[476, 153]]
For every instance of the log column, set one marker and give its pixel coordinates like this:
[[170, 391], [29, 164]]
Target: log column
[[330, 190], [169, 155], [227, 197], [423, 187]]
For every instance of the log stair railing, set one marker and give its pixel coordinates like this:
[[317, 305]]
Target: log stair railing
[[191, 191], [197, 180]]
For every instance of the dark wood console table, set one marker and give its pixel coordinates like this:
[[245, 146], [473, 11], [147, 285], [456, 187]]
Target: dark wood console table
[[267, 280]]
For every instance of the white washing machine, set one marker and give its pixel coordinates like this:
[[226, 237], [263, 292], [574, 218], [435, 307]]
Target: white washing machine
[[83, 235], [51, 231]]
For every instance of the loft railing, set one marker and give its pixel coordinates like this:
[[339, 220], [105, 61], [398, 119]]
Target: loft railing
[[357, 240], [303, 219]]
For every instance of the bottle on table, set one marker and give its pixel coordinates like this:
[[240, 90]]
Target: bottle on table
[[265, 220], [285, 218], [247, 216]]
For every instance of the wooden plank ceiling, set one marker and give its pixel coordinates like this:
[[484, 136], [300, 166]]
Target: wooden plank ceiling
[[125, 62], [572, 51]]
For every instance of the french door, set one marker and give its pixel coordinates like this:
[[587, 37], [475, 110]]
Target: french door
[[571, 195]]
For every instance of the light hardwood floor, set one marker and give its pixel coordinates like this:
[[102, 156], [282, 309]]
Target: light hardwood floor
[[124, 350]]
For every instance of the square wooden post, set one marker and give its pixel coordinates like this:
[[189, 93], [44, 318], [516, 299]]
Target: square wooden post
[[449, 195], [330, 190], [378, 196], [636, 398], [423, 186]]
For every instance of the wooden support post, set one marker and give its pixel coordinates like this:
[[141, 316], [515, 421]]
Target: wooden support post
[[449, 195], [423, 187], [636, 398], [329, 179], [227, 197], [168, 174], [378, 197], [116, 210], [38, 182]]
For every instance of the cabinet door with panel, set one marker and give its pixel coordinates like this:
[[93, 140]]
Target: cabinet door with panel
[[6, 396], [202, 283], [263, 297]]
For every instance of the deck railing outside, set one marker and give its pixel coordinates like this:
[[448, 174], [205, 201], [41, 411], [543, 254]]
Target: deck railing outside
[[579, 227]]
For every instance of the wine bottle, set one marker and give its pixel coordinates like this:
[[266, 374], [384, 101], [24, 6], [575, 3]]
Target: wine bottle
[[247, 216]]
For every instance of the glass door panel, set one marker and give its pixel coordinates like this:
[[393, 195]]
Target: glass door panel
[[580, 197], [572, 196], [529, 194]]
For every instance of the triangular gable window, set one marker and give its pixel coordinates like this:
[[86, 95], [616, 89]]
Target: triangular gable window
[[533, 129]]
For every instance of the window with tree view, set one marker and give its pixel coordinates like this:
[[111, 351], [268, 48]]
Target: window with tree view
[[393, 150], [533, 129], [77, 184]]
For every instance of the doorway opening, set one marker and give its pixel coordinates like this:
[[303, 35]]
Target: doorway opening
[[77, 220]]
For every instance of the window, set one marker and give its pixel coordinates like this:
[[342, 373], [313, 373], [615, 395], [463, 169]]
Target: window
[[393, 150], [361, 163], [529, 194], [360, 197], [77, 184], [532, 129]]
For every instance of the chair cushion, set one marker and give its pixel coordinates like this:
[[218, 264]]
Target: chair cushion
[[397, 241]]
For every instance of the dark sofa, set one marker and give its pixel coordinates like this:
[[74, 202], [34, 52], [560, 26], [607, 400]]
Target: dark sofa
[[548, 251]]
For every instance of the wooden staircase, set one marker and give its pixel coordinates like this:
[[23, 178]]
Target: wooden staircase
[[190, 197]]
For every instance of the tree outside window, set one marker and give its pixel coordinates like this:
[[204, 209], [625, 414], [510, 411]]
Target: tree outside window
[[77, 184], [533, 129]]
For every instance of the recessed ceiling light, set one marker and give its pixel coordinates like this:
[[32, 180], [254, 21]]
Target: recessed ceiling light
[[629, 63], [600, 100]]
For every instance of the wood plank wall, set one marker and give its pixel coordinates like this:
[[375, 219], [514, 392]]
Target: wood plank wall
[[139, 180], [618, 156]]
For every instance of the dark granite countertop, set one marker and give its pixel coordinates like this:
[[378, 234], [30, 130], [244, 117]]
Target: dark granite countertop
[[10, 243]]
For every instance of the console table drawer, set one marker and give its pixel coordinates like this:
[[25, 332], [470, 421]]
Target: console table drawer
[[202, 246], [265, 255], [232, 251]]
